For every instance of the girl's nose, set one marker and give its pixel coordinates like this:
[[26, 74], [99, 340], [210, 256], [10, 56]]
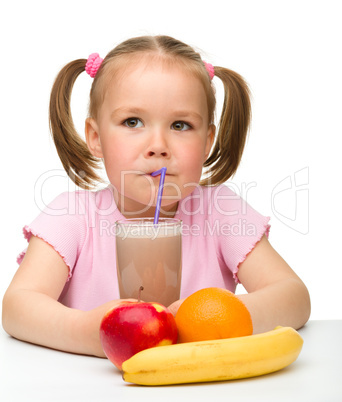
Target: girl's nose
[[157, 147]]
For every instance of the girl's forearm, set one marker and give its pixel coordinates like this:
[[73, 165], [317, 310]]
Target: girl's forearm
[[285, 303], [37, 318]]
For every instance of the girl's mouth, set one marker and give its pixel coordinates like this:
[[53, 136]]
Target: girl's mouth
[[150, 174]]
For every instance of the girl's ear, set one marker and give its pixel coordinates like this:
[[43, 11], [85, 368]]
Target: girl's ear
[[210, 140], [93, 138]]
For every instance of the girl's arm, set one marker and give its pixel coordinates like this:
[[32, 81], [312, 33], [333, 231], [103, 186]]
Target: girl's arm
[[32, 313], [276, 295]]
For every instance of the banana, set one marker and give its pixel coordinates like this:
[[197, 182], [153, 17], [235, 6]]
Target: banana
[[217, 360]]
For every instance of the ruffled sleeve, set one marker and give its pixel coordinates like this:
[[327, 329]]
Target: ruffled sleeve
[[239, 228], [63, 225]]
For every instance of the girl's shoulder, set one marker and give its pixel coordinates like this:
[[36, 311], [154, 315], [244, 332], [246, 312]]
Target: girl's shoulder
[[70, 213], [66, 222], [213, 200], [220, 207], [79, 202]]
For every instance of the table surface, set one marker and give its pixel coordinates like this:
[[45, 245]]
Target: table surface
[[33, 373]]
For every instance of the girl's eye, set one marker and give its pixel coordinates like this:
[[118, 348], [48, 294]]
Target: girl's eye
[[133, 122], [180, 126]]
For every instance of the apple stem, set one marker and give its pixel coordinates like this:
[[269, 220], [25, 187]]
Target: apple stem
[[139, 295]]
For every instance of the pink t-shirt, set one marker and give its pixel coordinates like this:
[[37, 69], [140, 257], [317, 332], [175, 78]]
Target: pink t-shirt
[[219, 230]]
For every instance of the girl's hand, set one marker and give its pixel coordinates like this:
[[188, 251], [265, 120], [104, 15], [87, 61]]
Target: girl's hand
[[31, 311], [92, 321], [175, 306]]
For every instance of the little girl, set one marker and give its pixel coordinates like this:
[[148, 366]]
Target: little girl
[[152, 105]]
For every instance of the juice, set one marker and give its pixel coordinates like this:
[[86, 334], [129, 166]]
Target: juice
[[150, 256]]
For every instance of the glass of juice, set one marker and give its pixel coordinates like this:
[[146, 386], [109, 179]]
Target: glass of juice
[[149, 255]]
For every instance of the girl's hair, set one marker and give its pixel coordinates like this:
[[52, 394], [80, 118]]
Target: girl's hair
[[226, 154]]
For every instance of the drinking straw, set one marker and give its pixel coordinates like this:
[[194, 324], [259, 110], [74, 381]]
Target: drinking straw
[[162, 172]]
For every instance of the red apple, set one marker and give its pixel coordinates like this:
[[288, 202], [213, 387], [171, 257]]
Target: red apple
[[130, 327]]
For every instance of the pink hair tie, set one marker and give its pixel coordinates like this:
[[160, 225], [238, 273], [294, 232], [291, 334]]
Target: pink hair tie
[[93, 64], [210, 68]]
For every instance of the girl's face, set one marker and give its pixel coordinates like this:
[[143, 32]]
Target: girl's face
[[153, 116]]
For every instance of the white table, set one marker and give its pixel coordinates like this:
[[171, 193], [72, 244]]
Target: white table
[[32, 373]]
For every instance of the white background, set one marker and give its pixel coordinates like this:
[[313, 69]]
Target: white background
[[288, 51]]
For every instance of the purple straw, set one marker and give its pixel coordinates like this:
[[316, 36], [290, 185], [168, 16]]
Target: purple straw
[[162, 173]]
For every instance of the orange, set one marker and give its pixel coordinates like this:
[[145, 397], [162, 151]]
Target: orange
[[212, 313]]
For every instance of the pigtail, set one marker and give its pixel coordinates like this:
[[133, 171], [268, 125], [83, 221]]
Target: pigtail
[[73, 151], [233, 128]]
